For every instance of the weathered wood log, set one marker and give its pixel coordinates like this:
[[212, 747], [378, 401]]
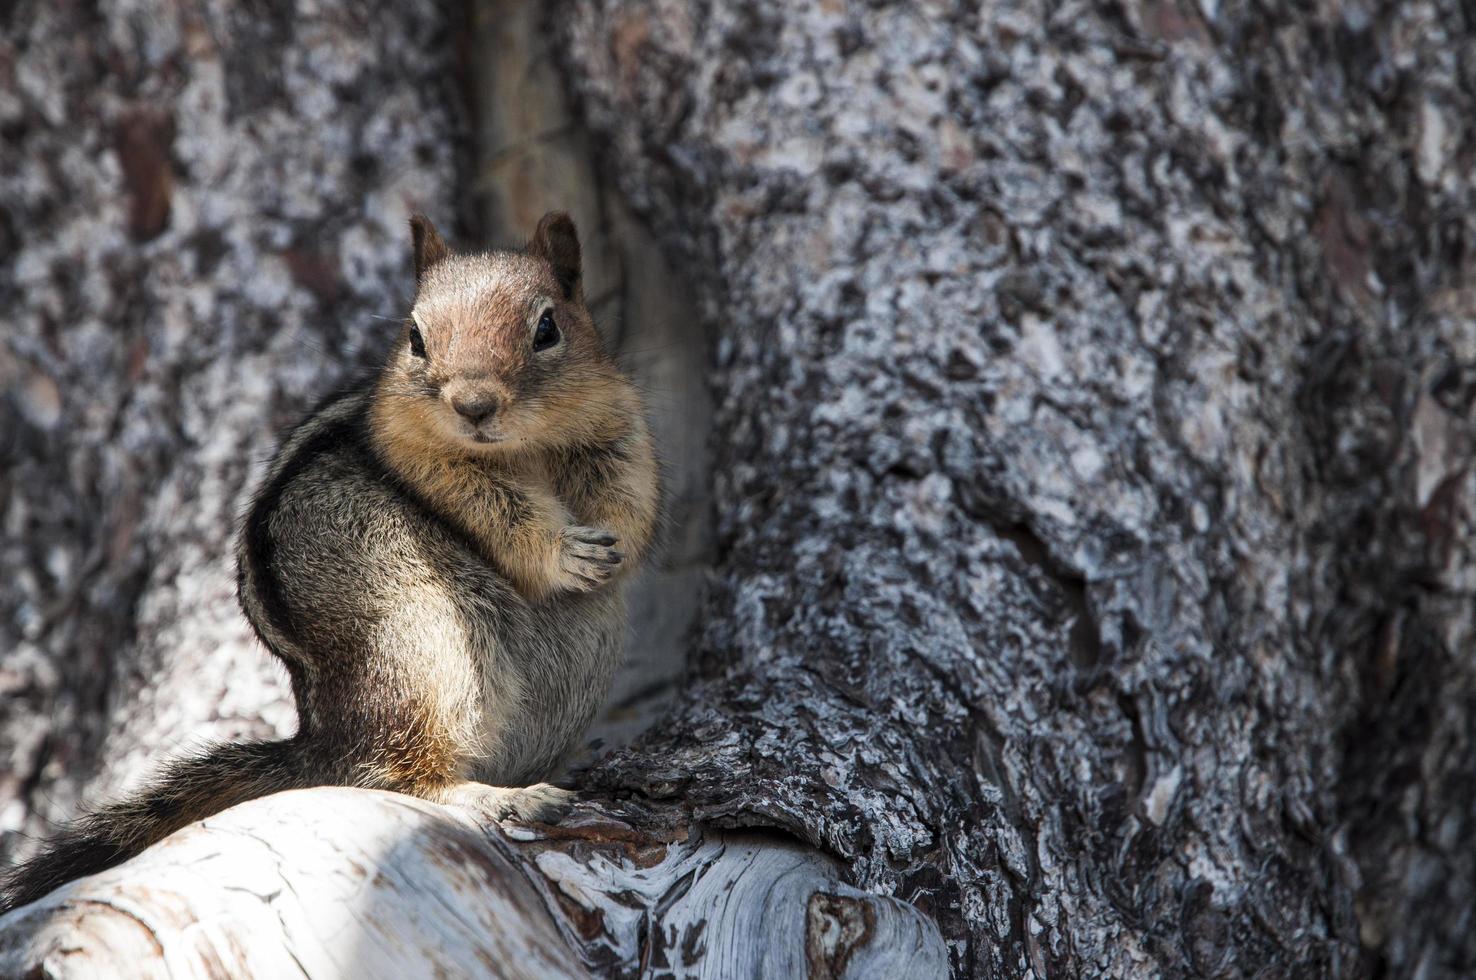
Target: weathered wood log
[[355, 883]]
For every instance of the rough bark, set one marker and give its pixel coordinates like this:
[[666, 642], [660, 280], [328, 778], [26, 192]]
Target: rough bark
[[202, 222], [1095, 401], [1094, 424]]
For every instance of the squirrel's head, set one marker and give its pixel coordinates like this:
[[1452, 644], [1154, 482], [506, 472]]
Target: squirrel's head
[[499, 351]]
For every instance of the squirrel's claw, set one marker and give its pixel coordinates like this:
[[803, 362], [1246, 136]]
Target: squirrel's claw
[[588, 557]]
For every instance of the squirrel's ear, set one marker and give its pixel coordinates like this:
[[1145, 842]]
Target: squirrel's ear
[[430, 248], [556, 241]]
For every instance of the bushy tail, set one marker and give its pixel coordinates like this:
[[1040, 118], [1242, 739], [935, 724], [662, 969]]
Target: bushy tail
[[188, 790]]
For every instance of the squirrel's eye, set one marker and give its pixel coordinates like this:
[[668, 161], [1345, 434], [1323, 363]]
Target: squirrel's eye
[[547, 333], [417, 342]]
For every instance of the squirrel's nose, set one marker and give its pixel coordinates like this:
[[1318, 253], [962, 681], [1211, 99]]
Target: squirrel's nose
[[474, 408]]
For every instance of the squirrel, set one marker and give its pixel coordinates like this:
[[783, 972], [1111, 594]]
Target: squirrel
[[438, 556]]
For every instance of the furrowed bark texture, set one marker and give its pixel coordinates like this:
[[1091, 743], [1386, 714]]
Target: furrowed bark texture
[[1093, 436], [202, 217]]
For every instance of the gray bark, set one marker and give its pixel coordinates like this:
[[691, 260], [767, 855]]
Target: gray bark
[[1094, 427], [202, 217], [1095, 390]]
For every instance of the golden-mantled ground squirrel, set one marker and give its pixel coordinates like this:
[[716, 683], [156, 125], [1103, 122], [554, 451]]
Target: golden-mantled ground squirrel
[[437, 555]]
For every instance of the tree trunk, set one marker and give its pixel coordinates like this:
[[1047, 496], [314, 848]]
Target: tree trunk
[[1094, 429], [203, 213], [1095, 518]]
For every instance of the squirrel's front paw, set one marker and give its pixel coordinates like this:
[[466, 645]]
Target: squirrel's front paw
[[587, 557]]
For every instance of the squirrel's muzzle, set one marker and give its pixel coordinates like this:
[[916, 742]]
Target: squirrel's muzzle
[[475, 408]]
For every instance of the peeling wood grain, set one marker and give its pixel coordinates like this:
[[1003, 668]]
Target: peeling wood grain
[[354, 883]]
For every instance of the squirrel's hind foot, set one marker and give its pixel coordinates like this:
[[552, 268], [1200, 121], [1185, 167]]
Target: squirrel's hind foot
[[539, 803]]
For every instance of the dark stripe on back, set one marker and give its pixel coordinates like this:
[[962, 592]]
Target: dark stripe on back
[[261, 549], [352, 437]]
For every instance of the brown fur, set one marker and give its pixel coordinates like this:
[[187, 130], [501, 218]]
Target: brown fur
[[438, 557], [518, 497]]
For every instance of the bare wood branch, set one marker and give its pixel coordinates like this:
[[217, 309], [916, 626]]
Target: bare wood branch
[[355, 883]]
